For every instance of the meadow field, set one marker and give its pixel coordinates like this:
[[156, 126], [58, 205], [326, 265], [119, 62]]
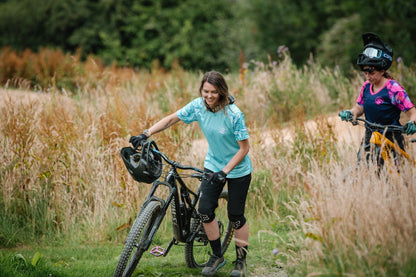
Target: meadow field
[[67, 201]]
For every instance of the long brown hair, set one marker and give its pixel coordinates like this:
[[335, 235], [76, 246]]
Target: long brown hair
[[217, 80], [388, 75]]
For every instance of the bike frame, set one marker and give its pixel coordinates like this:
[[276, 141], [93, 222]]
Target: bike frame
[[185, 201], [383, 144], [186, 222]]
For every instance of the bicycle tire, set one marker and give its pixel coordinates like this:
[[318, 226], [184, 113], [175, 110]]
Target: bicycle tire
[[139, 231], [197, 251]]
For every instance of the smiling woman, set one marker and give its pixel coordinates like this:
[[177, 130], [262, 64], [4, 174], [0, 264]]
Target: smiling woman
[[227, 161], [211, 95], [214, 90]]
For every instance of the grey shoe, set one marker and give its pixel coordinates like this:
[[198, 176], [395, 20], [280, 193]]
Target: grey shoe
[[239, 269], [214, 263]]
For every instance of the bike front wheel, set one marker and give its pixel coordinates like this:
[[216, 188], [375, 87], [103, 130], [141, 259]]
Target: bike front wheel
[[134, 246], [197, 251]]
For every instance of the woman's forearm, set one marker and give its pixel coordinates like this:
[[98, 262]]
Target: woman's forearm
[[357, 110], [164, 123]]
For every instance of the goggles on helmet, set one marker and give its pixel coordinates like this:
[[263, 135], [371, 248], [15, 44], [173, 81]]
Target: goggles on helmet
[[370, 69], [372, 52]]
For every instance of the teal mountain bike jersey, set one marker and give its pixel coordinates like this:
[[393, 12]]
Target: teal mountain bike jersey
[[222, 131]]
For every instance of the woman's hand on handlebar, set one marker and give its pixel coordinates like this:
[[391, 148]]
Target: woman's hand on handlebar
[[410, 128], [217, 177], [136, 140], [346, 115]]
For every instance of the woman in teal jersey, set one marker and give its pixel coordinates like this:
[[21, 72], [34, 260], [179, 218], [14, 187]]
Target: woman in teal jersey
[[227, 161]]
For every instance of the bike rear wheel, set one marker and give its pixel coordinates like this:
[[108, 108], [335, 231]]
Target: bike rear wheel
[[197, 251], [133, 248]]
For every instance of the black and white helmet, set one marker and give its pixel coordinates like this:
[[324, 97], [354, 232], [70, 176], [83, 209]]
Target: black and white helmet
[[376, 53], [143, 164]]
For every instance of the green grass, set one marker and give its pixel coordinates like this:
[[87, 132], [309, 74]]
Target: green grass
[[100, 259], [66, 260]]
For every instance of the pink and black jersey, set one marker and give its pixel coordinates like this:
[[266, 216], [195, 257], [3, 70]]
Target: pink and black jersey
[[384, 107]]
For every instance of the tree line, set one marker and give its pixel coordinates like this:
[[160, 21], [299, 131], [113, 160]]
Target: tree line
[[205, 35]]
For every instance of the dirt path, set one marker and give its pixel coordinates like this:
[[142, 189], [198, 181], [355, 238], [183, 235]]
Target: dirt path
[[21, 95], [345, 132]]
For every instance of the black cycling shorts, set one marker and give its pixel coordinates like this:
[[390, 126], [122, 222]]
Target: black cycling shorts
[[237, 195]]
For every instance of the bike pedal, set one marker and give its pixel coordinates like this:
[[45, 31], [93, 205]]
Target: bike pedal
[[157, 251]]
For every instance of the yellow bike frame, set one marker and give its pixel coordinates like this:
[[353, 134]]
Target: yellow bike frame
[[385, 145]]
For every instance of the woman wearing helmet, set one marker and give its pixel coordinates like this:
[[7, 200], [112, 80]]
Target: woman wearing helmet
[[227, 160], [382, 99]]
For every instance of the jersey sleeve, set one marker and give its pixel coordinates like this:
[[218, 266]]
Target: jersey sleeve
[[399, 96], [189, 113], [240, 129], [360, 99]]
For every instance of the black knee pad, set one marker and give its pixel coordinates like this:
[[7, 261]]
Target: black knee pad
[[206, 218], [237, 221]]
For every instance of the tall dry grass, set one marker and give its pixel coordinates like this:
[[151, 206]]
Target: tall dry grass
[[352, 221], [61, 174]]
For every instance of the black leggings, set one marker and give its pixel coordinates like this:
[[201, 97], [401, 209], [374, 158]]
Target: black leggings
[[237, 195]]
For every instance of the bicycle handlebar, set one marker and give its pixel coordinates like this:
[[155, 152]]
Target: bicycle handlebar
[[379, 127], [175, 163], [375, 126]]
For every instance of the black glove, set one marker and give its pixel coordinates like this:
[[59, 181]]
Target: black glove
[[217, 177], [136, 141]]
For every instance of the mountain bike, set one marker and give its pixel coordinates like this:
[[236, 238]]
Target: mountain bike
[[382, 148], [188, 230]]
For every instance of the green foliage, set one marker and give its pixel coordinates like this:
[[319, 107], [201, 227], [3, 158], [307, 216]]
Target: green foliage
[[23, 265], [332, 53], [188, 32], [294, 24], [339, 25], [71, 260], [23, 23], [205, 35], [131, 33]]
